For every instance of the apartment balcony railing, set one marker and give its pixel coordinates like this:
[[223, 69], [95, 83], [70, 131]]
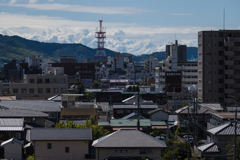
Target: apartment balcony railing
[[229, 53], [229, 71], [229, 81], [229, 62], [229, 90]]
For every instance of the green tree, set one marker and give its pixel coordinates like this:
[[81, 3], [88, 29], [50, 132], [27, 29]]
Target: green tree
[[230, 149], [95, 84], [141, 83], [89, 96], [97, 131], [129, 89], [133, 89], [31, 157], [180, 151], [155, 132], [137, 89], [80, 88]]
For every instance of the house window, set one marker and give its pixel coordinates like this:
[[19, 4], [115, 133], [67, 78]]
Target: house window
[[24, 90], [39, 81], [49, 146], [31, 90], [40, 90], [47, 81], [66, 149], [31, 81], [33, 119], [63, 90], [55, 90], [15, 90], [48, 90], [62, 80]]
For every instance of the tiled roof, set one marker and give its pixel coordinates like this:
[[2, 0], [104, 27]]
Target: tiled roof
[[19, 113], [209, 147], [156, 110], [11, 140], [135, 106], [128, 138], [60, 134], [11, 122], [131, 115], [225, 129], [129, 122], [35, 105], [201, 109]]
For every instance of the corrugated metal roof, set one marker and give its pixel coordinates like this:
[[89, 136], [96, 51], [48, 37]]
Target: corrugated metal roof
[[60, 134], [11, 122], [21, 113], [158, 123], [135, 106], [129, 138], [11, 140], [131, 115], [11, 128], [129, 122]]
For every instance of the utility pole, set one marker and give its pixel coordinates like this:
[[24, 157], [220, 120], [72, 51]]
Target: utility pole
[[188, 148], [235, 134], [138, 123], [110, 108]]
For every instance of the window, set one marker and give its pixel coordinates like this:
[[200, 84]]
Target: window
[[33, 119], [49, 146], [55, 90], [62, 80], [119, 111], [220, 53], [66, 149], [24, 90], [199, 54], [31, 81], [220, 71], [48, 90], [63, 90], [47, 81], [40, 90], [15, 90], [208, 54], [31, 90], [39, 81], [220, 90], [55, 79]]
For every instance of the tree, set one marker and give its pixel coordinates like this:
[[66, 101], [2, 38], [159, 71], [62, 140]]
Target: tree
[[89, 96], [155, 132], [137, 89], [230, 149], [133, 89], [129, 89], [97, 131], [80, 87], [95, 84], [180, 151], [141, 83]]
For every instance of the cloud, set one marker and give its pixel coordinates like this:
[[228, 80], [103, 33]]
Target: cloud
[[123, 37], [12, 1], [181, 14], [79, 8]]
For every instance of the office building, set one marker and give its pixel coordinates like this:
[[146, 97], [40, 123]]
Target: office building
[[181, 52]]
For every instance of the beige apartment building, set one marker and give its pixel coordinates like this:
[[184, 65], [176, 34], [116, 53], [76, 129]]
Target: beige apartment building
[[41, 86], [218, 66]]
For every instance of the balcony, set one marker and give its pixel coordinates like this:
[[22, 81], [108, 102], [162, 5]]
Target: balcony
[[229, 81], [229, 43], [229, 71], [229, 53], [229, 62], [236, 67], [236, 48], [236, 85], [189, 79], [189, 73], [236, 39], [229, 90]]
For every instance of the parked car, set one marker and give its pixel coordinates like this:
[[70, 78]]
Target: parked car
[[185, 137], [161, 138]]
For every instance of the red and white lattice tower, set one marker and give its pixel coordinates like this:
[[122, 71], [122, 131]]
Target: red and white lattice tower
[[100, 35]]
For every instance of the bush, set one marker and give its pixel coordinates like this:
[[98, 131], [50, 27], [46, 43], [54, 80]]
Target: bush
[[31, 157]]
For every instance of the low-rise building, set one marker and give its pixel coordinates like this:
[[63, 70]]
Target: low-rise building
[[12, 149], [129, 143]]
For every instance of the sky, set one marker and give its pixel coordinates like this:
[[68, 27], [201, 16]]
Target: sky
[[132, 26]]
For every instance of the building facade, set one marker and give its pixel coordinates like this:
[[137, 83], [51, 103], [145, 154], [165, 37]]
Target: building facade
[[218, 65], [181, 52]]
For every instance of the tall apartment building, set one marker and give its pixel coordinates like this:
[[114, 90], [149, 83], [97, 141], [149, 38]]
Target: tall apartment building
[[151, 64], [189, 70], [118, 61], [181, 52], [218, 65]]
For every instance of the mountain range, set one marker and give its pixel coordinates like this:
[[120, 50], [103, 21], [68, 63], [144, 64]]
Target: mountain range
[[15, 47]]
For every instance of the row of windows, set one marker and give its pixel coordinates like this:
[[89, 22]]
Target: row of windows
[[49, 146], [39, 90], [46, 81]]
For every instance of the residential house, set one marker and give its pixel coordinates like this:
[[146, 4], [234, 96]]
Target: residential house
[[55, 144], [128, 144], [12, 149]]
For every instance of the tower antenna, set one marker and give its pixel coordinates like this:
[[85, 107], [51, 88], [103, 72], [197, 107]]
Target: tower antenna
[[224, 18], [100, 35]]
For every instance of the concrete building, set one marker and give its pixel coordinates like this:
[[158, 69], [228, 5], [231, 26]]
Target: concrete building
[[118, 61], [181, 52], [218, 65], [151, 64], [41, 86]]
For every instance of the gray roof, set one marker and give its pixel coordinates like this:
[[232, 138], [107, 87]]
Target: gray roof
[[128, 138], [226, 115], [201, 109], [156, 110], [209, 147], [20, 113], [131, 115], [135, 106], [172, 118], [225, 129], [11, 122], [213, 106], [11, 140], [55, 98], [35, 105], [42, 134]]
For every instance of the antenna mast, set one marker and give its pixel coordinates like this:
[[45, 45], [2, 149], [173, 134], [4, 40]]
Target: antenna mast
[[224, 18]]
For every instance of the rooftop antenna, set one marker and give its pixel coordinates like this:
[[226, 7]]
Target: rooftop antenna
[[175, 36], [224, 18]]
